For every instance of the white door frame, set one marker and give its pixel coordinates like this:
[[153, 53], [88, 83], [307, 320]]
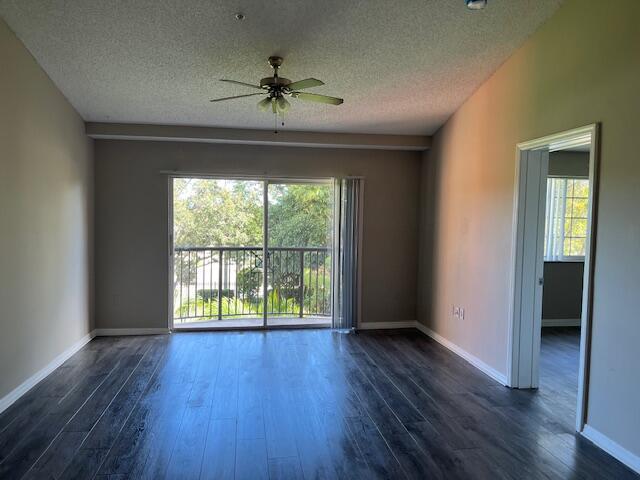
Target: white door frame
[[519, 268]]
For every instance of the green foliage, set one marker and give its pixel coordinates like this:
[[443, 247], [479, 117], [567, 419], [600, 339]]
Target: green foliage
[[205, 310], [208, 294], [217, 213], [249, 282], [230, 213], [300, 215]]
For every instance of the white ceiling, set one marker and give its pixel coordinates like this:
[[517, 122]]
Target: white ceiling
[[403, 67]]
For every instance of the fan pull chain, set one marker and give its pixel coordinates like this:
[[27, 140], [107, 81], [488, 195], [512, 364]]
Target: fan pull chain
[[275, 121]]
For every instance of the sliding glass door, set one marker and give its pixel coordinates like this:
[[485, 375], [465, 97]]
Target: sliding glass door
[[251, 253]]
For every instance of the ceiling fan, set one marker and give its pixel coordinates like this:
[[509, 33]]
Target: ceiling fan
[[276, 88]]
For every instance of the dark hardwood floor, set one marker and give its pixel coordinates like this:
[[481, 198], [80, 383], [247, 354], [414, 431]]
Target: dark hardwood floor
[[559, 363], [290, 404]]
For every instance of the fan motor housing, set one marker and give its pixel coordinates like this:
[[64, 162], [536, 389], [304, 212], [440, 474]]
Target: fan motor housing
[[274, 82]]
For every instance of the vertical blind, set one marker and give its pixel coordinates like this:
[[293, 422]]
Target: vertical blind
[[346, 299]]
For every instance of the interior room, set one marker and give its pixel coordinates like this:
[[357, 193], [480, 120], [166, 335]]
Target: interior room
[[566, 226], [294, 240]]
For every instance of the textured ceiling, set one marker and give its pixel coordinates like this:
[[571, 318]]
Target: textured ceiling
[[403, 67]]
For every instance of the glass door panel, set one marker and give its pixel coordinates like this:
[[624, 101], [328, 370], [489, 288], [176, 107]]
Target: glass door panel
[[218, 267], [299, 251]]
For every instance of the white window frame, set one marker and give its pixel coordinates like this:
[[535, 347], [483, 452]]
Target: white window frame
[[562, 258]]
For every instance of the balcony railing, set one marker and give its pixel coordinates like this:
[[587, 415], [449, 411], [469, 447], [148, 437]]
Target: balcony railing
[[226, 282]]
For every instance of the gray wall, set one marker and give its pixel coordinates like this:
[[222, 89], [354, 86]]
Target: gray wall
[[569, 164], [45, 217], [582, 66], [132, 220], [562, 294]]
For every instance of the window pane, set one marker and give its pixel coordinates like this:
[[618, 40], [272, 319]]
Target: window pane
[[581, 188], [568, 204], [569, 187], [567, 226], [578, 228], [577, 247], [579, 207]]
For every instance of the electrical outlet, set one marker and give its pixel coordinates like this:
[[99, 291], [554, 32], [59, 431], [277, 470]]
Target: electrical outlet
[[461, 313], [456, 312]]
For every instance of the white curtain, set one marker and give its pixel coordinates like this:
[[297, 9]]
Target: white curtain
[[348, 238], [555, 216]]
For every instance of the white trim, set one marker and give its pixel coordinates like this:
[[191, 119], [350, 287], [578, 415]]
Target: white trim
[[614, 449], [111, 332], [560, 140], [386, 325], [29, 383], [561, 322], [461, 352]]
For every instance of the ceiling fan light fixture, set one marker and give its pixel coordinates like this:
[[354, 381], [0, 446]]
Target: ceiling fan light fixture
[[476, 4], [264, 104], [283, 104], [276, 88]]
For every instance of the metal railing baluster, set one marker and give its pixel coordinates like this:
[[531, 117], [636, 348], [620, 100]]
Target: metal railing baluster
[[286, 264]]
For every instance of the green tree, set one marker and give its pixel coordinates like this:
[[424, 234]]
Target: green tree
[[217, 213], [300, 215]]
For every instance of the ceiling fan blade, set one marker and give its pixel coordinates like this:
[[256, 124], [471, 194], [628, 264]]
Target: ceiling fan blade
[[264, 104], [241, 83], [314, 97], [306, 83], [282, 104], [237, 96]]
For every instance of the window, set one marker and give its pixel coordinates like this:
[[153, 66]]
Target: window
[[566, 219]]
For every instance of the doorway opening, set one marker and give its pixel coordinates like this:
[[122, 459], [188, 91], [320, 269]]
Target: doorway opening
[[251, 253], [553, 267]]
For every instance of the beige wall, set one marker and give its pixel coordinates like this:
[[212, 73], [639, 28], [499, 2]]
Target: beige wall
[[45, 218], [581, 67], [132, 220]]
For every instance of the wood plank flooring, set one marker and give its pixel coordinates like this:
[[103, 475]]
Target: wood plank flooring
[[289, 404]]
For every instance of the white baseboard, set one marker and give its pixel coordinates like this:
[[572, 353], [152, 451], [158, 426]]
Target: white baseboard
[[29, 383], [473, 360], [561, 322], [614, 449], [110, 332], [386, 325]]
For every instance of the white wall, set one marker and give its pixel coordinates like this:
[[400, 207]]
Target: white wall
[[45, 218], [581, 67]]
